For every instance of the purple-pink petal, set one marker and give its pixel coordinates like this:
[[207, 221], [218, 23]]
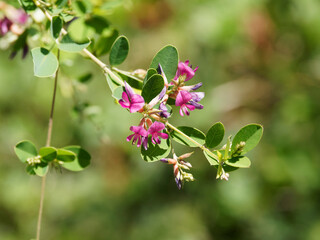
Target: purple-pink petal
[[184, 69], [183, 97], [129, 90], [137, 103]]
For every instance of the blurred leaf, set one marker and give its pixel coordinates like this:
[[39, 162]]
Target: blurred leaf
[[68, 45], [79, 31], [56, 26], [61, 3], [117, 93], [152, 87], [155, 152], [211, 159], [48, 154], [239, 162], [168, 58], [30, 170], [45, 62], [105, 41], [215, 135], [191, 132], [250, 134], [25, 150], [82, 6], [98, 23], [41, 169], [65, 155], [81, 161], [85, 78], [119, 51], [27, 5]]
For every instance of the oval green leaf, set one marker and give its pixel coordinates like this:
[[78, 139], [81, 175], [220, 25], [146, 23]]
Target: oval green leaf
[[67, 44], [193, 133], [168, 58], [239, 162], [150, 73], [41, 169], [48, 154], [25, 150], [215, 135], [65, 155], [155, 152], [81, 161], [152, 87], [211, 158], [45, 62], [250, 134], [112, 83], [130, 79], [119, 51], [56, 26], [117, 93]]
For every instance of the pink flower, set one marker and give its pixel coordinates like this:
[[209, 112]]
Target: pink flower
[[131, 100], [5, 25], [182, 100], [184, 69], [154, 131], [139, 136]]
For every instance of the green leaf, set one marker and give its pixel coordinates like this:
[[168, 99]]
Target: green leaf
[[82, 6], [79, 31], [117, 93], [45, 62], [104, 43], [155, 152], [68, 45], [168, 58], [85, 78], [239, 162], [41, 169], [25, 150], [81, 161], [250, 134], [56, 26], [65, 155], [48, 154], [152, 87], [98, 23], [30, 170], [215, 135], [113, 84], [211, 158], [27, 5], [192, 133], [119, 51], [130, 79], [61, 3], [150, 73]]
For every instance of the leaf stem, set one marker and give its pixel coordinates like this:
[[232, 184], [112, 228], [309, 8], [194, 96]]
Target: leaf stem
[[48, 142], [203, 148]]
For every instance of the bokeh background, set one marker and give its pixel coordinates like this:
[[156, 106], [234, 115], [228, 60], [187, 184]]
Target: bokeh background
[[259, 61]]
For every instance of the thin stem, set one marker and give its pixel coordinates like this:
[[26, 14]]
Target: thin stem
[[193, 141], [48, 142]]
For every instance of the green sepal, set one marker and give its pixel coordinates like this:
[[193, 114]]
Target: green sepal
[[24, 150], [192, 133], [48, 154], [81, 161]]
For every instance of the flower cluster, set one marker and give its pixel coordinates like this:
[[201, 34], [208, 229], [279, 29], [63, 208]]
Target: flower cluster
[[13, 24], [179, 165], [155, 113]]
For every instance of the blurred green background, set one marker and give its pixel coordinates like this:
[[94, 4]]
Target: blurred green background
[[259, 61]]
